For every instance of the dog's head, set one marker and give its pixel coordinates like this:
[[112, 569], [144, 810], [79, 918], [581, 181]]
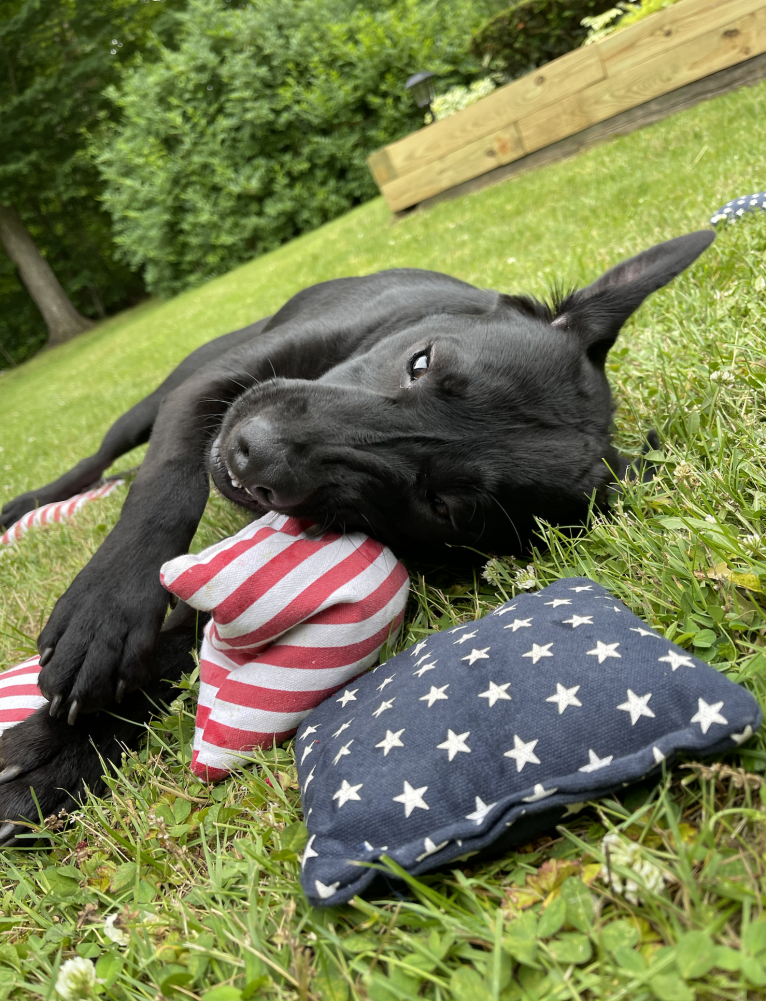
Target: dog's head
[[456, 428]]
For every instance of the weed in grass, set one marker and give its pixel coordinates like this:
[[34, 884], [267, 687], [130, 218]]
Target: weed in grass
[[173, 889]]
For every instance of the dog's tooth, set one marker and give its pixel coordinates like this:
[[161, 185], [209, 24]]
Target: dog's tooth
[[235, 482]]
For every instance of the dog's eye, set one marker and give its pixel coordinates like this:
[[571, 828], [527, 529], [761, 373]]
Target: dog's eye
[[419, 365], [438, 506]]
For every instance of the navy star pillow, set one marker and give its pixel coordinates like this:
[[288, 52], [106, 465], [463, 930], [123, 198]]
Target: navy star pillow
[[481, 735], [737, 207]]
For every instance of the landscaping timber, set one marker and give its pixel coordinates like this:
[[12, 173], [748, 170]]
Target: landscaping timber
[[670, 60]]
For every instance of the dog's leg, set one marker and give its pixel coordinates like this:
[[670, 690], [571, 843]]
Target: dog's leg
[[46, 762], [130, 430]]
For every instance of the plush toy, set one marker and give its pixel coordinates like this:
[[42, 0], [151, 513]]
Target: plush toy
[[737, 207], [296, 614], [58, 512]]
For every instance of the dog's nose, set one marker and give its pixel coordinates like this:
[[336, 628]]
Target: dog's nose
[[257, 457]]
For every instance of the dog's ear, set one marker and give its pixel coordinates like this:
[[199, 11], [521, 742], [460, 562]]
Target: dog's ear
[[597, 312]]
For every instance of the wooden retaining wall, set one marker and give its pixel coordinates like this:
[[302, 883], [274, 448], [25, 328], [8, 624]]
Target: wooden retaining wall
[[669, 50]]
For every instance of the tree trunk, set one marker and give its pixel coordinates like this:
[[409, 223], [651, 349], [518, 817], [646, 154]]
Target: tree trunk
[[62, 319]]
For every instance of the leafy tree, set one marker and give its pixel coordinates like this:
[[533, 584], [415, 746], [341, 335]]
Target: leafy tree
[[256, 124], [56, 58]]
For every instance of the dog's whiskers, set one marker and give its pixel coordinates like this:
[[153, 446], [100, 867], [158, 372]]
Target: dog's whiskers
[[510, 519]]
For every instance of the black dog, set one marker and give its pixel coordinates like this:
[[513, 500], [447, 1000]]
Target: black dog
[[406, 404]]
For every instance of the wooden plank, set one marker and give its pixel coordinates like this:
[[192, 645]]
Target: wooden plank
[[695, 59], [631, 47], [574, 71], [477, 157], [744, 74], [381, 167]]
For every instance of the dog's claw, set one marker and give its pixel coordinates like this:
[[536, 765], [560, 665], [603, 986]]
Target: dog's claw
[[74, 712], [46, 655], [7, 834], [119, 692], [55, 705], [8, 775]]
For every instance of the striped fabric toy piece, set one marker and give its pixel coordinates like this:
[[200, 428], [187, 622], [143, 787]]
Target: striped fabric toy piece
[[296, 614], [57, 512], [19, 694]]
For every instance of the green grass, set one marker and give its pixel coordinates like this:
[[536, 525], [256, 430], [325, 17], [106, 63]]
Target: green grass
[[205, 881]]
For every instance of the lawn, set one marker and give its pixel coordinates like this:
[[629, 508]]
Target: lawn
[[205, 880]]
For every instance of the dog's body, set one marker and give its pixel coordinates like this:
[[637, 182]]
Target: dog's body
[[406, 404]]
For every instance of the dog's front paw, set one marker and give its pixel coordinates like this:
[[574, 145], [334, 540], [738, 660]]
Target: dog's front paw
[[15, 509], [98, 641], [45, 767]]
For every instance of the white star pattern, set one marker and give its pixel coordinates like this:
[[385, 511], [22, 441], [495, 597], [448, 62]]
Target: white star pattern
[[383, 706], [579, 620], [644, 632], [676, 660], [565, 697], [538, 651], [308, 851], [637, 706], [306, 751], [412, 799], [342, 727], [309, 777], [420, 646], [595, 762], [558, 601], [502, 611], [519, 624], [325, 892], [425, 667], [522, 753], [464, 637], [347, 696], [458, 628], [539, 792], [309, 730], [343, 752], [495, 693], [390, 741], [475, 655], [659, 757], [481, 811], [604, 650], [455, 742], [384, 683], [347, 792], [706, 714], [740, 738], [434, 695], [430, 849], [582, 587]]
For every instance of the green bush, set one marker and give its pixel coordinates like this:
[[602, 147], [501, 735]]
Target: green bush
[[531, 33], [256, 125]]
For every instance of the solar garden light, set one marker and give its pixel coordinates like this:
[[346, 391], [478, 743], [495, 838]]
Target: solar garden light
[[422, 89]]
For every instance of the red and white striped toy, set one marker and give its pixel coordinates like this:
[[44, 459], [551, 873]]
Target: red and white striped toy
[[296, 614], [19, 694], [57, 512]]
